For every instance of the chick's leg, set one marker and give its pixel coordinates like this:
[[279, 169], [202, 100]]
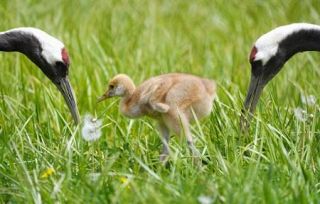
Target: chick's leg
[[186, 128], [179, 123], [165, 136]]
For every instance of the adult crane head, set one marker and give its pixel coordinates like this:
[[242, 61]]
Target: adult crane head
[[48, 53], [271, 51]]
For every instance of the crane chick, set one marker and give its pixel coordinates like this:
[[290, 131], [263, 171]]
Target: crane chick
[[174, 100]]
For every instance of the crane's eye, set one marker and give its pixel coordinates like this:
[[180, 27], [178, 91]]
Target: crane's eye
[[61, 69], [59, 64]]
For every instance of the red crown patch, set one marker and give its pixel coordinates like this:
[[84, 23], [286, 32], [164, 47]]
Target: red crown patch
[[253, 54], [65, 56]]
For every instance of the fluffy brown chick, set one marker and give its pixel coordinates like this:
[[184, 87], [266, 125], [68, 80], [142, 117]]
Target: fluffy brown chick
[[174, 100]]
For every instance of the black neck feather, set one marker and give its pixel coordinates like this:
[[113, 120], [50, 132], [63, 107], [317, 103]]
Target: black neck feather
[[17, 41], [26, 43], [300, 41]]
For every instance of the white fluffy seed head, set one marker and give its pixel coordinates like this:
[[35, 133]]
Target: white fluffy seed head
[[91, 129], [301, 114], [267, 45], [309, 100], [205, 199]]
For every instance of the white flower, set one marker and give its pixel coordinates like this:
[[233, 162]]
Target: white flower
[[91, 129], [205, 199], [94, 176], [300, 114], [308, 100]]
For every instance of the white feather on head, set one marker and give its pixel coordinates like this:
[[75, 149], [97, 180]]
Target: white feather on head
[[267, 45], [51, 47]]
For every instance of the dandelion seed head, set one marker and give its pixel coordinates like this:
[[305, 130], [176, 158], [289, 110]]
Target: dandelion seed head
[[205, 199], [301, 114], [309, 100], [91, 129], [94, 176]]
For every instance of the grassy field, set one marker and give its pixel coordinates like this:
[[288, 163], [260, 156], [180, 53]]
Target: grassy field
[[278, 161]]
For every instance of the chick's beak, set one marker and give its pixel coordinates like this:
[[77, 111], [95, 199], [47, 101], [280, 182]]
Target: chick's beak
[[67, 92], [103, 97]]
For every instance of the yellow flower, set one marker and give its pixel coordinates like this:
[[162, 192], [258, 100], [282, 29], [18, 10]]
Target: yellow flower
[[125, 182], [123, 179], [48, 172]]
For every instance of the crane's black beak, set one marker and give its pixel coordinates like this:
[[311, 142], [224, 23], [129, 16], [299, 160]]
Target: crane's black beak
[[66, 90], [253, 94], [256, 86]]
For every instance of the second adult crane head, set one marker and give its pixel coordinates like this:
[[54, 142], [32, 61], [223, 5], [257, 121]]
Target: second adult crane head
[[48, 53], [272, 50]]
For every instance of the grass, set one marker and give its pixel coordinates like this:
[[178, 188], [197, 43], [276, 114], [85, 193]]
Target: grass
[[276, 162]]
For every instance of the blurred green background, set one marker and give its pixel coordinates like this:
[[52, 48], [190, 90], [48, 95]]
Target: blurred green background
[[276, 162]]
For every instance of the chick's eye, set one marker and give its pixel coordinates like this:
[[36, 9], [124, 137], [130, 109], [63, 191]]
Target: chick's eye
[[111, 86]]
